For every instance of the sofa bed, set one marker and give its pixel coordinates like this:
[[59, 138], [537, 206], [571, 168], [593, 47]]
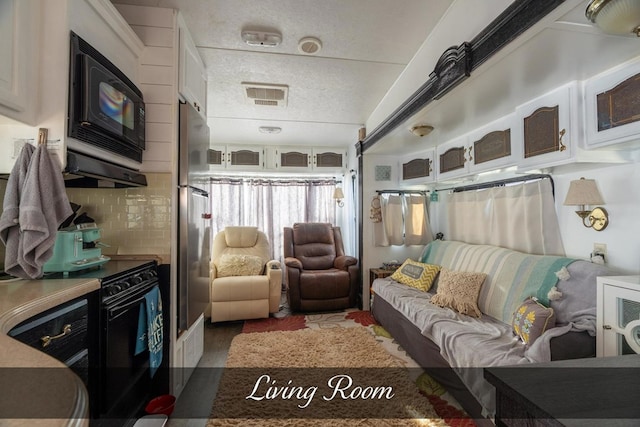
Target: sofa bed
[[462, 307]]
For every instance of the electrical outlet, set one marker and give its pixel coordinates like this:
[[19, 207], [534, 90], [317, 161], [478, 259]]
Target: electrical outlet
[[600, 248]]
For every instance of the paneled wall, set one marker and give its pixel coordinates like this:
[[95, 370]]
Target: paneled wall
[[156, 27]]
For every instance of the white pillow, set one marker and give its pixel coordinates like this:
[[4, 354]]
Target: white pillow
[[238, 265]]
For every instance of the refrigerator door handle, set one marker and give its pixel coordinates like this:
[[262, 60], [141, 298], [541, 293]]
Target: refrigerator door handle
[[196, 191]]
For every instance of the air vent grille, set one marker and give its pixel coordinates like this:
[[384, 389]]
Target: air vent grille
[[266, 94]]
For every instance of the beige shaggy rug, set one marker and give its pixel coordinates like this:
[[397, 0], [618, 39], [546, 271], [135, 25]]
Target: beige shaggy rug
[[338, 376]]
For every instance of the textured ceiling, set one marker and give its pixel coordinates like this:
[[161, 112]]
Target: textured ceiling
[[366, 46]]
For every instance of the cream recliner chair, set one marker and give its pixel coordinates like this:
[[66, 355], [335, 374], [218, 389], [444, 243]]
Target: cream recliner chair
[[245, 284]]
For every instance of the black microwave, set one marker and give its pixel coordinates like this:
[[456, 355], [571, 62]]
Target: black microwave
[[106, 109]]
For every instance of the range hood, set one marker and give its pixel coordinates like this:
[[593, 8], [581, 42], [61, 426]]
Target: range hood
[[83, 171]]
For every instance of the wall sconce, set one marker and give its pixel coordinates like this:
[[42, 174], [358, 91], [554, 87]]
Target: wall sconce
[[584, 192], [615, 16], [421, 130], [338, 195]]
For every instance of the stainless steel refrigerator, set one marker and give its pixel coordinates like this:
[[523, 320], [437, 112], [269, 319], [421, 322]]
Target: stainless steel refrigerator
[[194, 229]]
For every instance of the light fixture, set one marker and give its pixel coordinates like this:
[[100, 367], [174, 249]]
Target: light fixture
[[270, 129], [309, 45], [583, 192], [261, 38], [615, 16], [338, 195], [421, 130]]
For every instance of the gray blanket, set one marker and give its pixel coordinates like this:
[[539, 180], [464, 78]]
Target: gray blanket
[[468, 342]]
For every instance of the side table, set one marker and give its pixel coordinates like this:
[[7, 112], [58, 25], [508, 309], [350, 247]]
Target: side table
[[377, 273]]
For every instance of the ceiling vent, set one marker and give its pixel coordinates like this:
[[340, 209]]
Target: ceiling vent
[[266, 94]]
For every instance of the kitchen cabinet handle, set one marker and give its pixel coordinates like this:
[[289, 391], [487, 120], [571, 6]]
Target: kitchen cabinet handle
[[562, 147], [470, 155], [46, 340], [607, 327]]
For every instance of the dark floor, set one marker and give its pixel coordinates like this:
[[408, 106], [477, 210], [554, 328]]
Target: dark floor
[[194, 404]]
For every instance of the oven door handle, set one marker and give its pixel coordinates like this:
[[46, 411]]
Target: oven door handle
[[117, 310]]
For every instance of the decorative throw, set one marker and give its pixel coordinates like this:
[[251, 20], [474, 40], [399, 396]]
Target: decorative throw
[[150, 335], [416, 274], [238, 265], [531, 320], [459, 290]]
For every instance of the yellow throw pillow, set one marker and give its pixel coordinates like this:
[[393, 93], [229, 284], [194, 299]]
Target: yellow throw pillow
[[238, 265], [416, 274], [459, 290]]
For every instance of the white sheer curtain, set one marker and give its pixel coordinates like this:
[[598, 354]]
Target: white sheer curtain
[[346, 216], [405, 221], [520, 217], [271, 205]]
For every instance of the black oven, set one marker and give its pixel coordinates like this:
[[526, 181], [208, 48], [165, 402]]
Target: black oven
[[123, 381]]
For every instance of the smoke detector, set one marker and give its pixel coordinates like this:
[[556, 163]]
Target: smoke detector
[[309, 45], [261, 38], [266, 94]]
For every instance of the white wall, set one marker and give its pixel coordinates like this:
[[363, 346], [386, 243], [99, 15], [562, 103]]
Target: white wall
[[620, 188], [462, 22]]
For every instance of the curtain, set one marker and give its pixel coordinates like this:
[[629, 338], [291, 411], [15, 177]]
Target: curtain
[[521, 217], [346, 216], [271, 205], [405, 221]]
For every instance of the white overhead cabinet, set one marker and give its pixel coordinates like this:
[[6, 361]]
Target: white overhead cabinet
[[486, 148], [548, 126], [293, 159], [305, 159], [329, 159], [19, 63], [191, 75], [241, 157], [417, 168], [492, 146], [612, 107], [453, 158]]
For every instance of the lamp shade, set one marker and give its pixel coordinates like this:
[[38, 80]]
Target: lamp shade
[[338, 194], [583, 192], [615, 16]]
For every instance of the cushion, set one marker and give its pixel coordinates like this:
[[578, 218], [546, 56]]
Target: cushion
[[238, 265], [241, 237], [459, 290], [416, 274], [531, 319]]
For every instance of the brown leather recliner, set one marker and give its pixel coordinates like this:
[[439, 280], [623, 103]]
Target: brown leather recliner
[[320, 277]]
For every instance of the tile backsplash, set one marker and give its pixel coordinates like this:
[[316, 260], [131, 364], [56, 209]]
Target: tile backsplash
[[133, 220]]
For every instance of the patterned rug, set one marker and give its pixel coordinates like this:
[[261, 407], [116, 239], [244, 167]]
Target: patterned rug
[[444, 404]]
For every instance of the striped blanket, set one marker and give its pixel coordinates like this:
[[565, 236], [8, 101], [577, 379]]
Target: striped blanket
[[511, 276]]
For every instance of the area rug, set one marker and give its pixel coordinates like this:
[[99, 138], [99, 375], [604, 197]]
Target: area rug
[[444, 404], [334, 376]]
